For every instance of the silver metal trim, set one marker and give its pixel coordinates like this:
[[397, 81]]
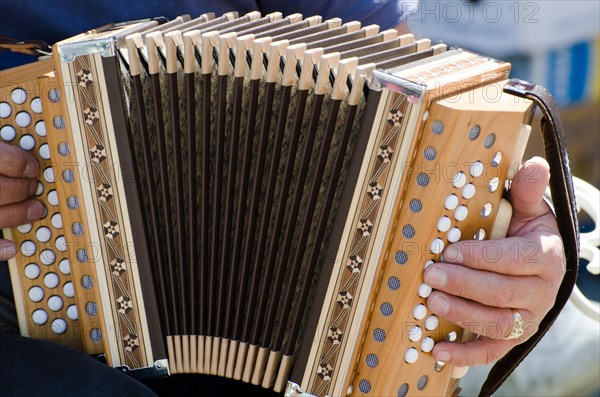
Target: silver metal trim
[[383, 80], [104, 46], [293, 390]]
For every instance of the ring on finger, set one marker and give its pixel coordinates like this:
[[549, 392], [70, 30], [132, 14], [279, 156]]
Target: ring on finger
[[517, 328]]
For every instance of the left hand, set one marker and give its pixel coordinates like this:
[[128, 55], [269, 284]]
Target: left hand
[[480, 283]]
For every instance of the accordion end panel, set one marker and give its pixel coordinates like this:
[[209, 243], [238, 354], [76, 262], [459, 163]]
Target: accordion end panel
[[53, 294], [104, 178]]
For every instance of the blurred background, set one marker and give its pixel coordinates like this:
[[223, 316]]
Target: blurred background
[[556, 44]]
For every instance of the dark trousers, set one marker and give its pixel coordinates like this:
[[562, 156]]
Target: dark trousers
[[31, 368]]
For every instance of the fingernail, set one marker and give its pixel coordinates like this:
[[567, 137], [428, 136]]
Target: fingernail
[[35, 211], [435, 278], [443, 356], [439, 305], [31, 169], [8, 251]]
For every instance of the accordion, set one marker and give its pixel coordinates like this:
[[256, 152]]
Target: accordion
[[257, 197]]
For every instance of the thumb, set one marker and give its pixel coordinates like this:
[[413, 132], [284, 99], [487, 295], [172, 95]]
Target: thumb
[[527, 190]]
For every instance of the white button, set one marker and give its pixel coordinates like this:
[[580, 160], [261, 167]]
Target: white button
[[23, 119], [411, 355], [39, 317], [49, 175], [43, 234], [8, 133], [459, 180], [40, 189], [18, 96], [55, 303], [415, 333], [451, 202], [64, 266], [431, 323], [5, 110], [32, 271], [427, 344], [59, 326], [26, 228], [47, 257], [461, 213], [454, 235], [420, 312], [45, 151], [424, 290], [36, 294], [72, 312], [443, 224], [468, 191], [57, 221], [476, 169], [28, 248], [40, 128], [68, 290], [428, 263], [437, 246], [27, 142], [51, 280], [52, 197], [61, 244], [36, 105]]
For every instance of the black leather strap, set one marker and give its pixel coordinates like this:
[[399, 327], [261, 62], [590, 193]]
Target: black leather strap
[[28, 47], [563, 198]]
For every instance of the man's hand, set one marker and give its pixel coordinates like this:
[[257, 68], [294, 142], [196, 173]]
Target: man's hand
[[480, 283], [18, 171]]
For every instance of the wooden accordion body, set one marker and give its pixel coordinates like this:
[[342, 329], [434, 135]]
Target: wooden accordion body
[[257, 197]]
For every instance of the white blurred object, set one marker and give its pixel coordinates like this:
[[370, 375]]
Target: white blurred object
[[566, 362], [502, 28]]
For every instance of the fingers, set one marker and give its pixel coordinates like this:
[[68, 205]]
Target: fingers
[[492, 322], [13, 215], [517, 256], [477, 352], [486, 288], [16, 189], [538, 252], [8, 249], [16, 163], [528, 188]]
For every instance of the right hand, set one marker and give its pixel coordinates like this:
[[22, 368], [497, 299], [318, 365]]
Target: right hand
[[18, 172]]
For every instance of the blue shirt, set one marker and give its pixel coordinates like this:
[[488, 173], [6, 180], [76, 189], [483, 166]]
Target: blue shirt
[[54, 21]]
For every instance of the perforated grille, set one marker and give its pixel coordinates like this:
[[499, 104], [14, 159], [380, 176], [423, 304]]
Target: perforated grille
[[379, 334], [364, 386], [87, 282], [430, 153], [394, 283], [474, 132], [437, 127], [408, 231], [422, 382], [68, 176], [423, 179], [63, 149], [91, 308], [403, 390], [386, 309], [82, 255], [59, 122], [77, 229], [415, 205], [401, 257], [372, 360], [73, 202], [489, 140], [96, 335]]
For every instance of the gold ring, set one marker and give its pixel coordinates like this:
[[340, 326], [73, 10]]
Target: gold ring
[[517, 328]]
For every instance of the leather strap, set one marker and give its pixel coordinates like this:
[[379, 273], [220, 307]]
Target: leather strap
[[28, 47], [563, 197]]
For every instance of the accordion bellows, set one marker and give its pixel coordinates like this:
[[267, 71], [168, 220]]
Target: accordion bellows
[[257, 197]]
